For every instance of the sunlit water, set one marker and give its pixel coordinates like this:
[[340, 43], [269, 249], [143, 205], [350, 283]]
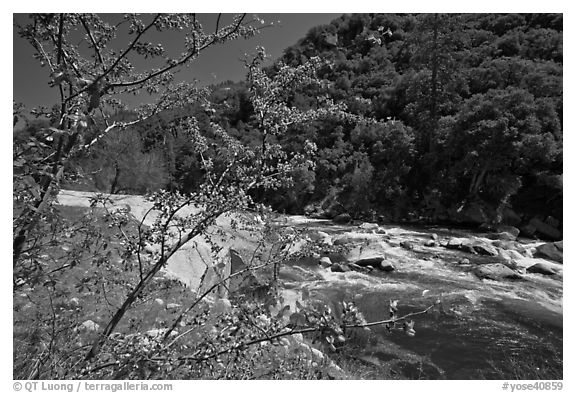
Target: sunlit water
[[480, 329]]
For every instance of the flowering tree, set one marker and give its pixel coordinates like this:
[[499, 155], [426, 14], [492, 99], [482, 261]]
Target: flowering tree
[[91, 87], [91, 90]]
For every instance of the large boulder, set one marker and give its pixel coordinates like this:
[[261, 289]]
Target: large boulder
[[510, 217], [552, 251], [243, 278], [537, 227], [343, 218], [542, 268], [559, 245], [496, 271]]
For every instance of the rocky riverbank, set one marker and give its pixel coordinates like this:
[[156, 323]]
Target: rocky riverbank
[[499, 297]]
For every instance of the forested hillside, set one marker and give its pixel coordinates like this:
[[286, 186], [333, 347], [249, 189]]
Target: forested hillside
[[468, 112]]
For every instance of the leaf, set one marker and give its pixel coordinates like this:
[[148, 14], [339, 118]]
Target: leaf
[[283, 312], [298, 319]]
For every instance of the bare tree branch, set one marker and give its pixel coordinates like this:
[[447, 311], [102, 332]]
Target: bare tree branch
[[94, 44], [185, 59]]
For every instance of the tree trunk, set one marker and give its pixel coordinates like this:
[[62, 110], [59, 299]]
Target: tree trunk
[[113, 187], [477, 181]]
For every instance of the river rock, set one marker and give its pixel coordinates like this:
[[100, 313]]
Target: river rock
[[483, 248], [339, 268], [408, 245], [552, 251], [542, 268], [362, 269], [540, 228], [508, 229], [505, 244], [373, 261], [430, 243], [559, 245], [506, 236], [387, 266], [472, 246], [496, 271], [434, 237], [376, 262], [368, 226], [510, 217], [343, 218], [325, 262], [454, 243], [355, 237], [509, 255], [506, 259]]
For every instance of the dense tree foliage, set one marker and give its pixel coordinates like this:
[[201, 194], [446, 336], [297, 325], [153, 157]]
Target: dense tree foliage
[[468, 110], [472, 106]]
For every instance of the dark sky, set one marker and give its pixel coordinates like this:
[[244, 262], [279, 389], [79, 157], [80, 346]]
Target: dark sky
[[219, 63]]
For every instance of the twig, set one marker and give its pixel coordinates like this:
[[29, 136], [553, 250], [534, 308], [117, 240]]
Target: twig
[[94, 44], [183, 60], [289, 333]]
